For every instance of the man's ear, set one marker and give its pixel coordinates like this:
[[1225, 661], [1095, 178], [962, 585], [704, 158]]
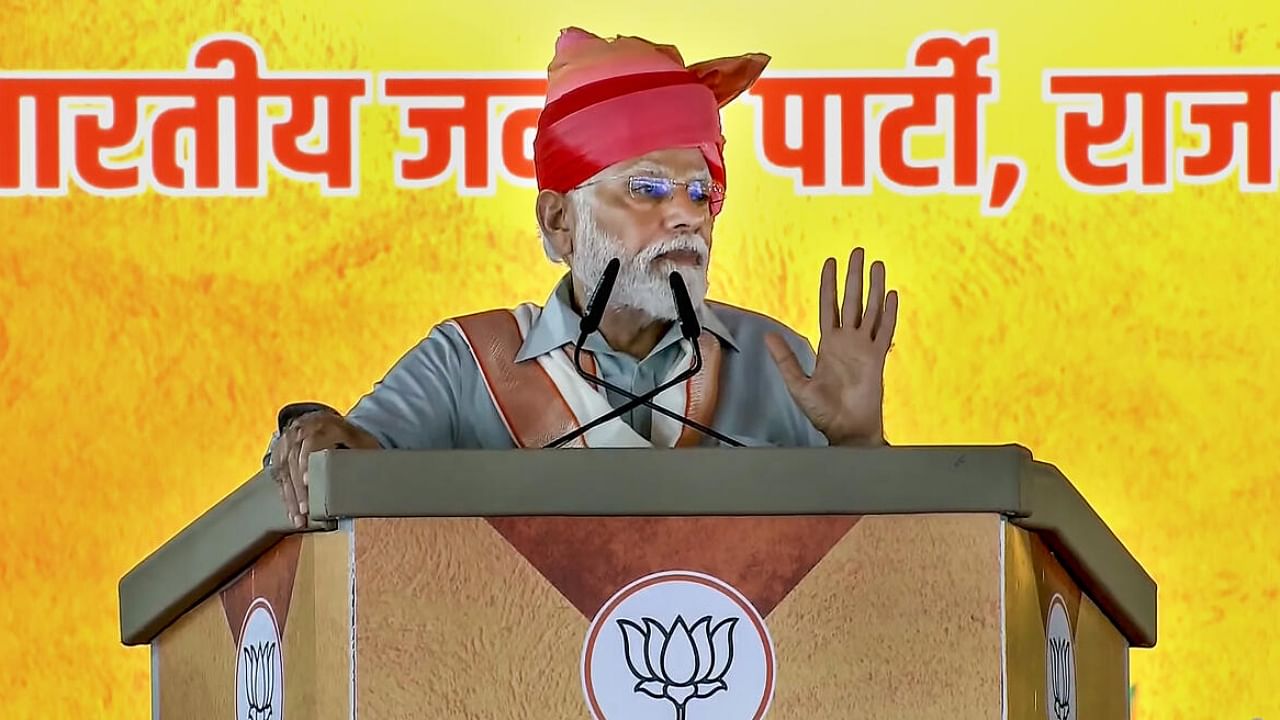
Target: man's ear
[[554, 219]]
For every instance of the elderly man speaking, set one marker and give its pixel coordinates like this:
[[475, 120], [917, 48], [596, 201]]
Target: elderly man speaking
[[631, 177]]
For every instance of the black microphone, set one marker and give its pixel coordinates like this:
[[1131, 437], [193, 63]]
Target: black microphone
[[689, 325], [691, 329], [591, 317], [594, 312]]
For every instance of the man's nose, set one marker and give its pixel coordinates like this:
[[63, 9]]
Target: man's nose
[[684, 215]]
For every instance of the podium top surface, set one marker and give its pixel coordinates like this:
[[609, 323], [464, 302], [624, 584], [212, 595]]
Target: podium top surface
[[639, 482]]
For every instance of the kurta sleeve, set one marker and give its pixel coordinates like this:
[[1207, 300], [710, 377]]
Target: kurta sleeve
[[415, 406]]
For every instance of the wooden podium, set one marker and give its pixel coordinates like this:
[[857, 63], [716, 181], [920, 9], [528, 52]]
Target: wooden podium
[[699, 584]]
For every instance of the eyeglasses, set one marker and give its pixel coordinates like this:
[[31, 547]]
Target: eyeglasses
[[659, 189]]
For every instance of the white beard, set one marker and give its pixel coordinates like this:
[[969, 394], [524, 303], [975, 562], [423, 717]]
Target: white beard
[[641, 285]]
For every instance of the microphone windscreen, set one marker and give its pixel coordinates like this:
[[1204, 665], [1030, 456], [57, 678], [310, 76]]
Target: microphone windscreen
[[599, 298], [689, 325]]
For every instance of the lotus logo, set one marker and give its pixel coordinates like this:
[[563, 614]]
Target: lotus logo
[[1060, 677], [260, 666], [644, 660], [259, 679], [681, 663], [1060, 663]]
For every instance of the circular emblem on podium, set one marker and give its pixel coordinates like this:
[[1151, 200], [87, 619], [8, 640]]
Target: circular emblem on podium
[[679, 645], [259, 666], [1060, 663]]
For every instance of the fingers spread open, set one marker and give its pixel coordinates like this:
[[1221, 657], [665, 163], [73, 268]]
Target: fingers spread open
[[889, 323], [828, 309], [875, 299], [851, 312]]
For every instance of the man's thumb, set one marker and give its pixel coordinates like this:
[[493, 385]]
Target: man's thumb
[[792, 374]]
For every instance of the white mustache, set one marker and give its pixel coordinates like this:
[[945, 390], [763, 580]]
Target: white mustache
[[685, 243]]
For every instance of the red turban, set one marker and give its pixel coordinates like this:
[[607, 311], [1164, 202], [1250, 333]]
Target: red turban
[[613, 100]]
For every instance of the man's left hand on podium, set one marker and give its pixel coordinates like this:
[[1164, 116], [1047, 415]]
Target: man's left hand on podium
[[291, 452], [844, 396]]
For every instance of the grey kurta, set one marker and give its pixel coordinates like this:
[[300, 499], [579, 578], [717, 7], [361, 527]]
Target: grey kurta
[[435, 396]]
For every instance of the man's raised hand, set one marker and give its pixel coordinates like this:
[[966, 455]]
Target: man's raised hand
[[844, 396]]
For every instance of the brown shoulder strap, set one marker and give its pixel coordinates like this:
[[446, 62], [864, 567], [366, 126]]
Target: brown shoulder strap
[[527, 400], [530, 405], [702, 390]]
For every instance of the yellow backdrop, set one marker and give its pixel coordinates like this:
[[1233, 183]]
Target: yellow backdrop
[[146, 343]]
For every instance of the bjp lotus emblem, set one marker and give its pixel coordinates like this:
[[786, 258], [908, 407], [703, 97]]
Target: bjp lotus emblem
[[1060, 663], [678, 644], [260, 666], [259, 679], [680, 663]]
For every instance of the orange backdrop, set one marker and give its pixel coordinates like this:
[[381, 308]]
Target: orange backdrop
[[146, 342]]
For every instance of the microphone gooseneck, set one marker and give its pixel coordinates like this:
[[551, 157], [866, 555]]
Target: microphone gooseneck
[[634, 401], [690, 328], [594, 312]]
